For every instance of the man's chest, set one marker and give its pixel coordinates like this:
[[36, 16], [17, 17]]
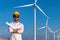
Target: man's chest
[[16, 26]]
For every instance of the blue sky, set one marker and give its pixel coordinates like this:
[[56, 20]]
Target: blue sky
[[50, 7]]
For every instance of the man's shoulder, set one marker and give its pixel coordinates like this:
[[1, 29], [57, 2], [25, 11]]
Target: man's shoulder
[[20, 23]]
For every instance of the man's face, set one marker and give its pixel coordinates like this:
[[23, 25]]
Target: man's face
[[16, 17]]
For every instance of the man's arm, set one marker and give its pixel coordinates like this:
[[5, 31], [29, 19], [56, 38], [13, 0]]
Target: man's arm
[[11, 29], [21, 29], [15, 31]]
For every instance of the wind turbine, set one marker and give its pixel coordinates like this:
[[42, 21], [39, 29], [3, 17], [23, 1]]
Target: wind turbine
[[50, 31], [47, 28], [35, 6], [54, 34], [58, 37]]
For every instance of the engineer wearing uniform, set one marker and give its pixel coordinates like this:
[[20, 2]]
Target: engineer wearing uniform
[[16, 33]]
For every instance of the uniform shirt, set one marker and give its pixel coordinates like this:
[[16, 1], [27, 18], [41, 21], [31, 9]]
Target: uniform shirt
[[17, 25]]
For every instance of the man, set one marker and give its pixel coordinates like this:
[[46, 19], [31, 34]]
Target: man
[[16, 33]]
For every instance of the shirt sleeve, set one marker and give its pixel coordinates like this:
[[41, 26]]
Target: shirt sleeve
[[22, 29], [10, 29]]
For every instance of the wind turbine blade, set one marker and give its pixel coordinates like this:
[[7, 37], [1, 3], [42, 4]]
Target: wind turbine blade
[[41, 10], [24, 6], [41, 28], [50, 29], [35, 1], [55, 31]]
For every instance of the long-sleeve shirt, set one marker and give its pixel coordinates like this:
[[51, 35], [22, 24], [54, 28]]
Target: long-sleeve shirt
[[19, 26]]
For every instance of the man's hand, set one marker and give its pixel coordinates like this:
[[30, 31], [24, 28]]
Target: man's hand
[[15, 30]]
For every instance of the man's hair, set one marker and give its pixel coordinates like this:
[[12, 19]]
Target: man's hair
[[15, 16]]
